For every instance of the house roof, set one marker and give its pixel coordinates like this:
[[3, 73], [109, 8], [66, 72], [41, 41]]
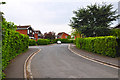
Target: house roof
[[24, 27], [62, 33], [38, 31]]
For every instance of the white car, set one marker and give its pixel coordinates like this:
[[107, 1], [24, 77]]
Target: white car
[[58, 42]]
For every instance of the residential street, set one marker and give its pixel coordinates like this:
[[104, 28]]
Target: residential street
[[57, 61]]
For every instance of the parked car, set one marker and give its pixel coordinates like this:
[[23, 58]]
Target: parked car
[[58, 42]]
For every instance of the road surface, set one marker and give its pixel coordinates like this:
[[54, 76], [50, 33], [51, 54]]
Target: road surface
[[57, 61]]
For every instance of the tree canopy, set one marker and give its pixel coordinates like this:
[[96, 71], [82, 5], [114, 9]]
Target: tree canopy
[[49, 35], [94, 20]]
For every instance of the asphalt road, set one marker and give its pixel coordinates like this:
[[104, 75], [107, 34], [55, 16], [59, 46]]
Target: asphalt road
[[56, 61]]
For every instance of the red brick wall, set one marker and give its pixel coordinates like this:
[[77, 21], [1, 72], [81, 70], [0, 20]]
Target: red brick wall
[[63, 36], [22, 31], [36, 36]]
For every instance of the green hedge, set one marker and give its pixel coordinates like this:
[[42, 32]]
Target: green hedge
[[107, 45], [65, 40], [43, 42], [32, 42], [13, 44]]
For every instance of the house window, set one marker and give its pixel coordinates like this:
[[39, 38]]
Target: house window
[[28, 31], [65, 36], [39, 34]]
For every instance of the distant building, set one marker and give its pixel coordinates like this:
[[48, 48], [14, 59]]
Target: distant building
[[28, 30], [119, 11], [38, 35], [62, 35]]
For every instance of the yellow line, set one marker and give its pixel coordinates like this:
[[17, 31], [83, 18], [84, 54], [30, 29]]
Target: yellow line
[[27, 67]]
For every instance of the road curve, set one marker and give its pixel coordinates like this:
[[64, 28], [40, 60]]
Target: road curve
[[56, 61]]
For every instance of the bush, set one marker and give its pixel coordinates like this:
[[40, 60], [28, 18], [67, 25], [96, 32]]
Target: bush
[[43, 42], [52, 41], [13, 44], [115, 32], [32, 42], [65, 40], [102, 45]]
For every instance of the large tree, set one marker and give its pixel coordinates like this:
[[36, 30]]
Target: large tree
[[94, 20], [49, 35]]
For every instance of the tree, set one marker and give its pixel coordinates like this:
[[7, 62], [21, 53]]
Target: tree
[[94, 20], [7, 25], [49, 35], [2, 2]]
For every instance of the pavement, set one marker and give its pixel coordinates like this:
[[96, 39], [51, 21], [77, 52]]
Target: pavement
[[16, 67], [106, 59], [57, 61]]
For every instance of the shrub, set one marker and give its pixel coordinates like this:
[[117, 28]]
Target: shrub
[[32, 42], [102, 45], [115, 32], [52, 41], [13, 44], [43, 42], [65, 40]]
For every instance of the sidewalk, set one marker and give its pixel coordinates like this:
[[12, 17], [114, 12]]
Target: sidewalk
[[16, 67], [95, 56]]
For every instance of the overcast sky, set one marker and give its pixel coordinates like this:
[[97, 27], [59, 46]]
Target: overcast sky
[[46, 15]]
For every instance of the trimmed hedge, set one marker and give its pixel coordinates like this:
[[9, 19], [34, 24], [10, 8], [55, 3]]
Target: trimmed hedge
[[43, 42], [65, 40], [107, 45], [13, 44], [32, 42]]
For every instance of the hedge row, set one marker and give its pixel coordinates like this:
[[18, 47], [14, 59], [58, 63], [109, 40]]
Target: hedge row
[[13, 44], [43, 42], [48, 41], [107, 45], [65, 40], [32, 42]]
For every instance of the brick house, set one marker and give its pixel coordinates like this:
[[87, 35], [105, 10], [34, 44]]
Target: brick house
[[62, 35], [38, 35], [27, 30]]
